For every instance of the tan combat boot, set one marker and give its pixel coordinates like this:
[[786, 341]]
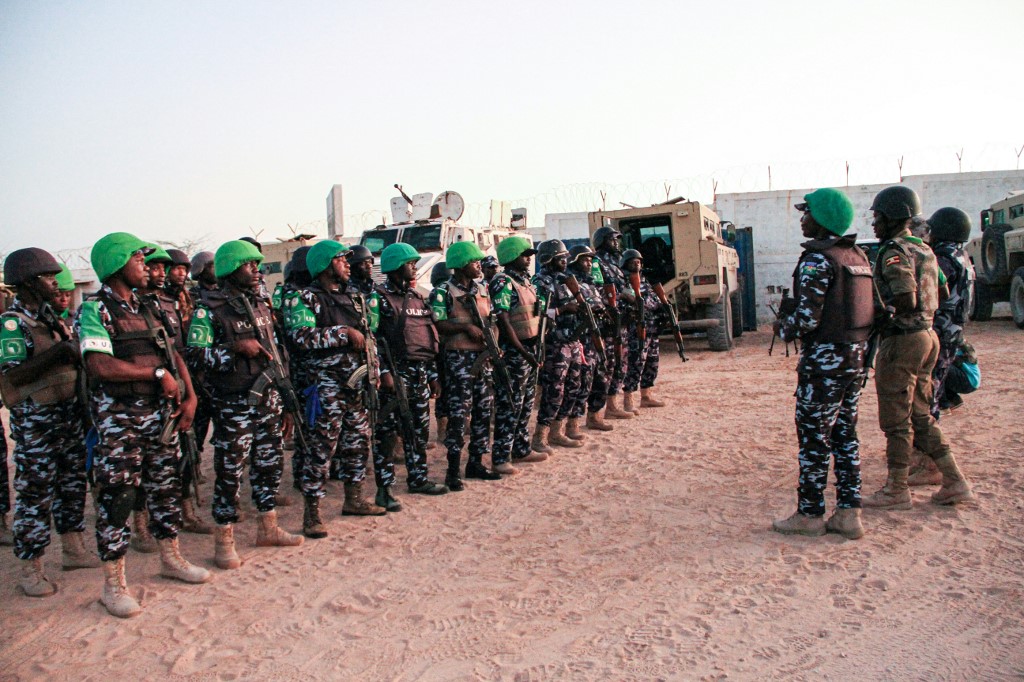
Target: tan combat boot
[[224, 554], [74, 554], [894, 495], [540, 440], [596, 423], [505, 469], [846, 522], [612, 410], [269, 534], [115, 597], [312, 526], [923, 470], [357, 505], [955, 487], [559, 439], [190, 521], [173, 565], [34, 582], [630, 405], [572, 429], [6, 536], [800, 524], [647, 398], [142, 541]]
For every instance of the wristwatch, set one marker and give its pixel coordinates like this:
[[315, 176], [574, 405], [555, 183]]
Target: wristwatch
[[159, 373]]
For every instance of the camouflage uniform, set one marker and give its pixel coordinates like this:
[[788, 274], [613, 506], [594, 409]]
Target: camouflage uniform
[[466, 394], [318, 325], [591, 367], [241, 430], [512, 410], [299, 375], [830, 376], [563, 360], [204, 412], [643, 357], [951, 315], [129, 417], [608, 380], [5, 481], [49, 443]]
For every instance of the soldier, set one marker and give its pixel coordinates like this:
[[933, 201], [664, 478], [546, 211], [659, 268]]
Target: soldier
[[39, 366], [489, 268], [907, 279], [296, 278], [325, 323], [467, 370], [439, 274], [360, 261], [518, 310], [833, 317], [644, 353], [6, 537], [174, 285], [560, 375], [608, 383], [581, 261], [407, 337], [65, 293], [135, 400], [232, 342], [206, 283]]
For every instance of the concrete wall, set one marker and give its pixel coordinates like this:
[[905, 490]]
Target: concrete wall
[[776, 224]]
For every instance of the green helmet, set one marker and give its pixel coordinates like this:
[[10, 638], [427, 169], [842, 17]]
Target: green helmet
[[511, 248], [396, 255], [65, 280], [232, 255], [461, 254], [830, 208], [320, 255], [159, 255], [113, 251]]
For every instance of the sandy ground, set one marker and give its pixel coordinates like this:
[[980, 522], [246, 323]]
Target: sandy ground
[[647, 555]]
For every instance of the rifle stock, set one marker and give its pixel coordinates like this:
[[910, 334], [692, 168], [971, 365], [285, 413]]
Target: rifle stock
[[493, 352]]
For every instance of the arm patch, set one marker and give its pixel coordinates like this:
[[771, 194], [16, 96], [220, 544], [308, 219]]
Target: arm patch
[[93, 335], [12, 342], [200, 331]]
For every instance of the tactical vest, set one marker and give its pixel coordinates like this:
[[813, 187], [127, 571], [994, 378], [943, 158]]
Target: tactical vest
[[337, 309], [58, 382], [926, 275], [171, 317], [954, 308], [460, 315], [229, 311], [411, 335], [524, 317], [848, 310], [134, 340]]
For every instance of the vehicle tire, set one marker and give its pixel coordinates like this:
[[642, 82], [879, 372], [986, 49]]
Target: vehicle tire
[[981, 303], [1017, 297], [737, 315], [993, 254], [720, 337]]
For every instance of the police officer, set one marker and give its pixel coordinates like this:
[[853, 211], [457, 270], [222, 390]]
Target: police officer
[[907, 278], [296, 278], [202, 274], [608, 383], [489, 267], [65, 293], [326, 323], [133, 395], [833, 318], [234, 348], [643, 354], [39, 366], [467, 372], [439, 274], [518, 310], [174, 284], [581, 262], [563, 356], [406, 337], [360, 261]]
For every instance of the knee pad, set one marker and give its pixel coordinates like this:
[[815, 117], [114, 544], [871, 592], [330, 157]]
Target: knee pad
[[118, 502]]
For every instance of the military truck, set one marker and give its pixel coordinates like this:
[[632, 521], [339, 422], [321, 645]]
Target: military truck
[[684, 249], [998, 257]]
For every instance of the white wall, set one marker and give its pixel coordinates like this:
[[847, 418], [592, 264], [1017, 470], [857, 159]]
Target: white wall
[[776, 224]]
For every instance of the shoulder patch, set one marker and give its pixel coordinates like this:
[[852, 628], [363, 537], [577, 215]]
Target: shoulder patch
[[200, 332], [893, 260], [12, 342]]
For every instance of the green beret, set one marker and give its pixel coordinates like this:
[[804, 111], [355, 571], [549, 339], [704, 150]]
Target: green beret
[[831, 209]]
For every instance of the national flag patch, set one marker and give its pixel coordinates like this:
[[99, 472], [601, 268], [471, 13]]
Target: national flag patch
[[892, 260]]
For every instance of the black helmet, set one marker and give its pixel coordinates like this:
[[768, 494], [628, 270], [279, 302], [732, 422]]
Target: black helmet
[[898, 202], [439, 274], [580, 250], [179, 257], [357, 254], [604, 233], [23, 264], [552, 248], [298, 261], [253, 241], [628, 255], [950, 224]]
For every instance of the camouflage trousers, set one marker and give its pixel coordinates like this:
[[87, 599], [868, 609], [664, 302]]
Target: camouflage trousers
[[342, 430], [559, 381], [947, 353], [242, 434], [416, 378], [608, 380], [5, 481], [441, 402], [826, 429], [588, 370], [201, 422], [130, 455], [642, 364], [512, 410], [471, 397], [49, 473]]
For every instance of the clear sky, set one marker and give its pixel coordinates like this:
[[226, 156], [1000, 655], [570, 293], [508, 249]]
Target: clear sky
[[183, 120]]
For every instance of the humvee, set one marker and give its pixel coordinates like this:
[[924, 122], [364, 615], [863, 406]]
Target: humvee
[[998, 257]]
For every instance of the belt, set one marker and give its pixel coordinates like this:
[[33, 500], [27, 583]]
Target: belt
[[897, 331]]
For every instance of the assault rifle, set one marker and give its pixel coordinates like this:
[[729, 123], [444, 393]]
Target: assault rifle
[[543, 303], [493, 352], [612, 301], [589, 323], [787, 306], [659, 290], [401, 401], [369, 370], [641, 325]]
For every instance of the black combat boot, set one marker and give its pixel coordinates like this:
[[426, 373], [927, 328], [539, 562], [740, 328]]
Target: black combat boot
[[478, 470]]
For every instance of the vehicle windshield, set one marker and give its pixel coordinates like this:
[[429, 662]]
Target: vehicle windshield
[[420, 237], [376, 240], [652, 237]]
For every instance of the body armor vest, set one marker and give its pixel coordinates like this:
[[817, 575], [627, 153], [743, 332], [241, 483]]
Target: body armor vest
[[848, 310], [58, 382], [170, 315], [411, 334], [954, 309], [236, 325], [460, 315], [524, 317], [135, 341]]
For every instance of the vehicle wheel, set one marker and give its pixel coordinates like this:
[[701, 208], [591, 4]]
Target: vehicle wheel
[[720, 337], [1017, 297], [993, 253], [737, 315], [981, 302]]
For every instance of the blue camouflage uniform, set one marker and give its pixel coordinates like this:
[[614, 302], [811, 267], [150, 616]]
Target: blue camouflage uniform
[[643, 358], [563, 360], [951, 315], [608, 380]]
